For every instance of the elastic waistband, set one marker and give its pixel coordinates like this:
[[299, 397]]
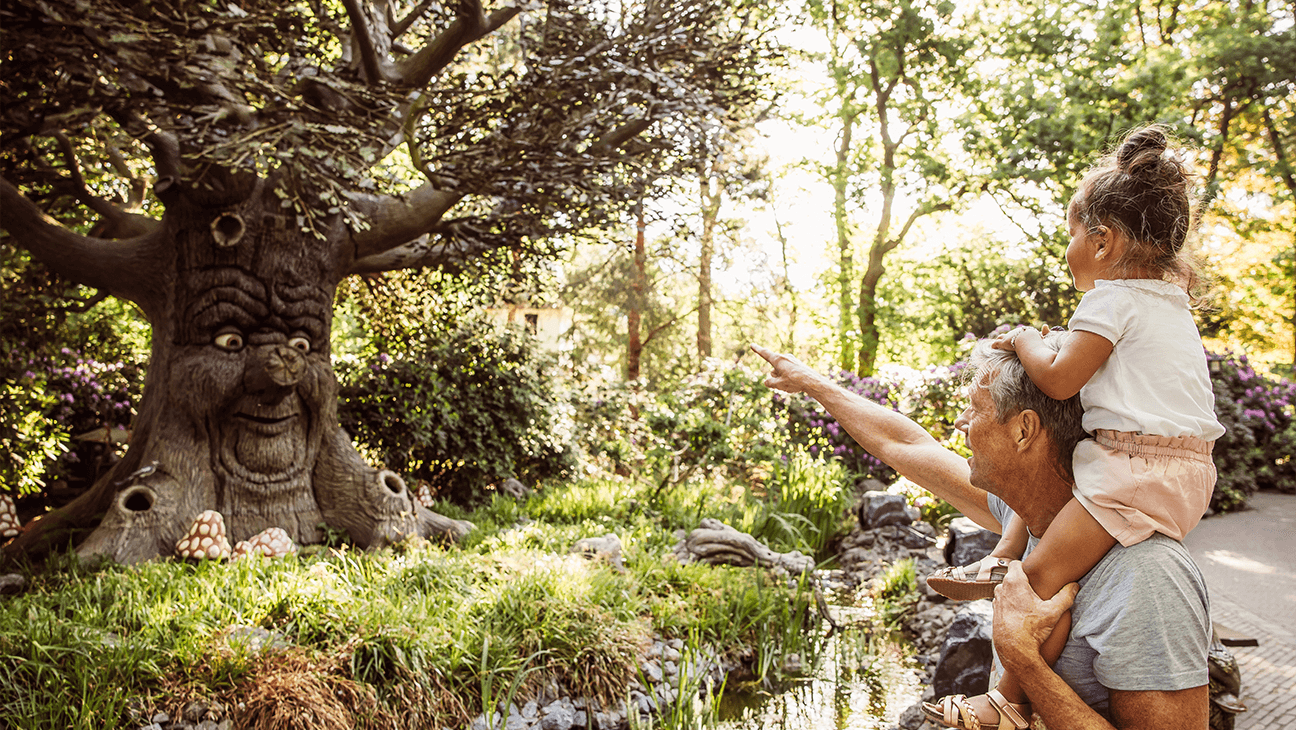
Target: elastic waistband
[[1138, 444]]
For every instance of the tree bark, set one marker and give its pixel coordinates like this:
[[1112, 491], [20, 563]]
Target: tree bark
[[711, 196], [638, 290]]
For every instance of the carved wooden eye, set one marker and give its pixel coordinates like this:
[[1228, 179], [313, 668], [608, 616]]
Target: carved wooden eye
[[300, 343], [230, 341]]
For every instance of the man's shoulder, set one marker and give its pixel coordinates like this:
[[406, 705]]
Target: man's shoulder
[[1157, 567]]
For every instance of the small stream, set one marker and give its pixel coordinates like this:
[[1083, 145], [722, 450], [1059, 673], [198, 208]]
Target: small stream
[[863, 680]]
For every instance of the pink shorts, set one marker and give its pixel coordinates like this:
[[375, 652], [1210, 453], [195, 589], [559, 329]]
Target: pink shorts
[[1135, 485]]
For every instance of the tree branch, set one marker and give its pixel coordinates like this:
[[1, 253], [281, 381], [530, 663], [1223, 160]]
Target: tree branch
[[360, 32], [404, 23], [120, 267], [620, 135], [115, 221], [419, 253], [418, 70], [395, 221]]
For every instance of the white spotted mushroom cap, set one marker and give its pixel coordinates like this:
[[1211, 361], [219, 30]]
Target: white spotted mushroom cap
[[272, 542], [206, 538], [424, 495], [8, 516]]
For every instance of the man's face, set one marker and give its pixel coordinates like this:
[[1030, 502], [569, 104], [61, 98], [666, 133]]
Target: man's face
[[991, 443]]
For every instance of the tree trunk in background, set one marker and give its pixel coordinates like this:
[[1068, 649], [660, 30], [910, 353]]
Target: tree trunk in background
[[845, 247], [638, 289], [712, 193]]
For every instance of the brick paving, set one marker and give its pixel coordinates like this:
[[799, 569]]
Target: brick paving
[[1249, 561], [1268, 669]]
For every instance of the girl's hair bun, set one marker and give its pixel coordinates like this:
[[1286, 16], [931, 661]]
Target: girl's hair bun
[[1141, 149]]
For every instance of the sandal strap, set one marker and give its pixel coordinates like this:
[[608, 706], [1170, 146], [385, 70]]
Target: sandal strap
[[970, 719], [1011, 711], [986, 571]]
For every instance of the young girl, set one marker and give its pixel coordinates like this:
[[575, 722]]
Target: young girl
[[1135, 357]]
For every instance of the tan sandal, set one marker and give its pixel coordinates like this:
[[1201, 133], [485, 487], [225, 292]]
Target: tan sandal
[[970, 582], [955, 711]]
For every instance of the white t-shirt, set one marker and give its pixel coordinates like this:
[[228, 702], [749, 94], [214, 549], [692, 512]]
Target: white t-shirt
[[1156, 381]]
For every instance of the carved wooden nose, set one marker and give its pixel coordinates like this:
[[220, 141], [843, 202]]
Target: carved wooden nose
[[273, 372]]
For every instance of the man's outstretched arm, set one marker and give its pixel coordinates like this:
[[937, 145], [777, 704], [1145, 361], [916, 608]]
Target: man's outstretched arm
[[891, 437]]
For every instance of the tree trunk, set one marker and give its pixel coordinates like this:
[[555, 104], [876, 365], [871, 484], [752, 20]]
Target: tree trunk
[[638, 289], [712, 191], [845, 247], [239, 412]]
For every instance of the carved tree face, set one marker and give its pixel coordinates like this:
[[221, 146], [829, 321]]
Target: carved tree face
[[253, 371]]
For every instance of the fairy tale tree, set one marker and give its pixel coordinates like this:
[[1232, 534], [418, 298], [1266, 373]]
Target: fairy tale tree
[[225, 165]]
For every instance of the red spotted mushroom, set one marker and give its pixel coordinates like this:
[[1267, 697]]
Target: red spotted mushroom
[[272, 542], [8, 516], [206, 538]]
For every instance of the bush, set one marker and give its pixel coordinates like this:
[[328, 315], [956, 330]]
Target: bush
[[716, 422], [47, 400], [930, 398], [460, 410], [1259, 417]]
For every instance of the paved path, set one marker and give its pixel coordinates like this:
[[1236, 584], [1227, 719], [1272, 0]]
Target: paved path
[[1249, 560]]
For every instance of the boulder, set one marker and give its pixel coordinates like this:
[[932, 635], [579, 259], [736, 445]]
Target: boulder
[[968, 542], [878, 509], [967, 652], [606, 548]]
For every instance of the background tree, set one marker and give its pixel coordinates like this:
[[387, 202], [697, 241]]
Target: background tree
[[291, 146], [895, 68]]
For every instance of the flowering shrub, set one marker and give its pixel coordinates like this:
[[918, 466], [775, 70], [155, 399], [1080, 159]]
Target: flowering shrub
[[931, 398], [460, 409], [1257, 448], [47, 400]]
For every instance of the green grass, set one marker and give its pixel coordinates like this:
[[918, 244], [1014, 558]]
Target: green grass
[[416, 633]]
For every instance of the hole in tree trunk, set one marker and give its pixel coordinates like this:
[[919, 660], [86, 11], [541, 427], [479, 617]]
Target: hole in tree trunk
[[393, 482], [227, 230], [137, 499]]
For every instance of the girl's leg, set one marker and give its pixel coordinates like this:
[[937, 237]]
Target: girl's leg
[[1071, 547], [1012, 543]]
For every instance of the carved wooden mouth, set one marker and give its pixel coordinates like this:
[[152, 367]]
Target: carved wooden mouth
[[269, 421]]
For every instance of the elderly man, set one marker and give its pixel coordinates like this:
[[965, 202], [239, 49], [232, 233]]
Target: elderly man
[[1136, 655]]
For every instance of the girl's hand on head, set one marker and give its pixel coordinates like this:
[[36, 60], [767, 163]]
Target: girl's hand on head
[[1008, 340]]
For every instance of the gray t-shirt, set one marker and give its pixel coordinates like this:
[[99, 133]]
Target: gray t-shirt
[[1140, 622]]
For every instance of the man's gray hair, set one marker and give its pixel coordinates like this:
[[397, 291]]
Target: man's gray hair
[[1012, 392]]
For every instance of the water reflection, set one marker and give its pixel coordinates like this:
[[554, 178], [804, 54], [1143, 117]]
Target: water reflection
[[864, 678]]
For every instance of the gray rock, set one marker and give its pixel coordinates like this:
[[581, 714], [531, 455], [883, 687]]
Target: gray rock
[[968, 542], [912, 718], [606, 548], [207, 725], [878, 509], [194, 711], [651, 671], [161, 718], [560, 715], [965, 656], [531, 710], [12, 583], [514, 488]]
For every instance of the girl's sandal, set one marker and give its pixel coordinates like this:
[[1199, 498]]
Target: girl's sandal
[[970, 582], [955, 711]]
